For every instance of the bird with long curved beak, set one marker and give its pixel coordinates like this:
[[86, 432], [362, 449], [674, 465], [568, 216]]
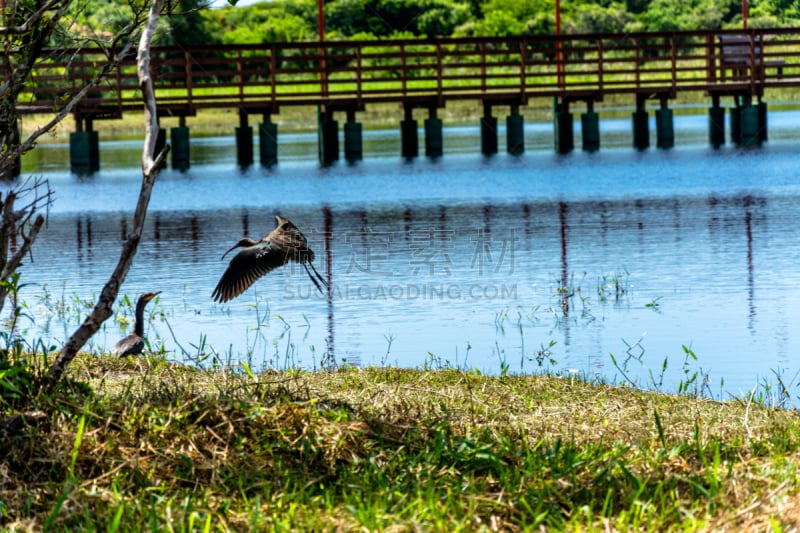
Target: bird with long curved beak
[[283, 244]]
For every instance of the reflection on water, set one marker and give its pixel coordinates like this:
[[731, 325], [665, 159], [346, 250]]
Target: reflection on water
[[467, 261]]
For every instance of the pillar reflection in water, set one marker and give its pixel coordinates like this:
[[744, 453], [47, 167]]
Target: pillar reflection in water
[[330, 355], [565, 292], [749, 202], [245, 223], [81, 230]]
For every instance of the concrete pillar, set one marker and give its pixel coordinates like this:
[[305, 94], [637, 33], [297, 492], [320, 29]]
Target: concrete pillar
[[244, 142], [434, 142], [736, 125], [716, 123], [328, 136], [353, 146], [488, 131], [665, 131], [515, 132], [84, 150], [750, 125], [562, 121], [268, 142], [641, 126], [180, 147], [762, 121], [409, 138], [590, 128], [161, 140]]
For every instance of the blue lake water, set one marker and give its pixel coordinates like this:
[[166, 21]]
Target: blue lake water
[[529, 263]]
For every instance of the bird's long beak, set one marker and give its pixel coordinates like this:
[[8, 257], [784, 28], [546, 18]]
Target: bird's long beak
[[232, 248]]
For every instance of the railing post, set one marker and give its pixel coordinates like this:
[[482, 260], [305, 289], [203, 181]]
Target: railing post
[[482, 47], [187, 58], [239, 75], [753, 68], [523, 79], [403, 74], [560, 62], [118, 81], [674, 61], [323, 71], [600, 71], [439, 95], [273, 67], [359, 79], [711, 59]]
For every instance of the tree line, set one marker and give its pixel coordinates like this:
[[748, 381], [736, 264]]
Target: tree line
[[192, 23]]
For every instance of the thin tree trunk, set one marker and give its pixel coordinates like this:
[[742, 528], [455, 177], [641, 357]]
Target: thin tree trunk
[[150, 167]]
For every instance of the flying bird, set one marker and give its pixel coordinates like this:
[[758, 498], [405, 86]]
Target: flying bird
[[133, 344], [283, 244]]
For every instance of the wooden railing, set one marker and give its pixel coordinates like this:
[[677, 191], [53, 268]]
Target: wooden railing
[[352, 74]]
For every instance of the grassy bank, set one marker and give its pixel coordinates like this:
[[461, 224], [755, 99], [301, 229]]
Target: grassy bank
[[151, 446]]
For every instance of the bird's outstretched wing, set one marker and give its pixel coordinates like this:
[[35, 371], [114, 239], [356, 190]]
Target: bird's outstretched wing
[[246, 267]]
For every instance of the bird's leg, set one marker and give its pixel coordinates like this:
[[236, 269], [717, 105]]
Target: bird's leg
[[319, 276], [316, 283]]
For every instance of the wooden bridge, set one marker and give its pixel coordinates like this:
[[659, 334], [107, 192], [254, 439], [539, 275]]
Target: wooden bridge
[[347, 76]]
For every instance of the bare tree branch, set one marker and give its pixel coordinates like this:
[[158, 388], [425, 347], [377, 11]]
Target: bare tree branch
[[31, 21], [16, 222], [150, 166]]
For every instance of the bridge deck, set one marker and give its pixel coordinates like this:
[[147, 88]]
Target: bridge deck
[[349, 75]]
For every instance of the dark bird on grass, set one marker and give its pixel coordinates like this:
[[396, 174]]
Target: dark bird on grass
[[133, 344], [283, 244]]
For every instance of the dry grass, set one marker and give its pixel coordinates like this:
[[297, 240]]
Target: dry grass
[[150, 445]]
